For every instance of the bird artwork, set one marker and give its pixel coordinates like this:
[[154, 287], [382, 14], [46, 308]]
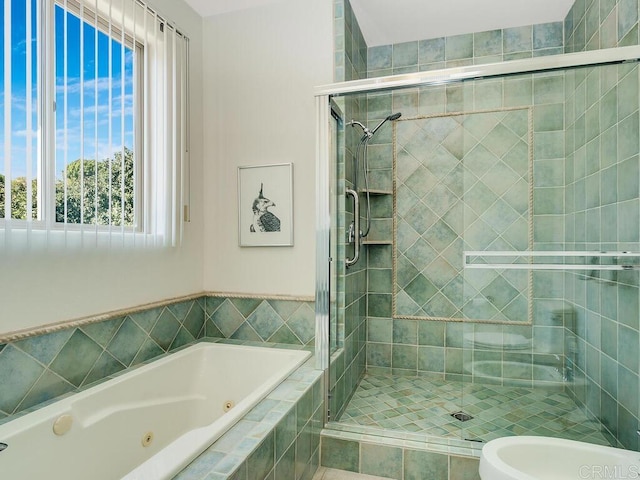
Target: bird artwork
[[263, 219]]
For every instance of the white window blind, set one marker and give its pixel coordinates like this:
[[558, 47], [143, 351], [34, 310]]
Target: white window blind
[[94, 125]]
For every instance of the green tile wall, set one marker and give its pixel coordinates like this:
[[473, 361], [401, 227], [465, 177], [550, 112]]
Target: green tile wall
[[596, 24], [462, 182], [261, 320], [585, 130], [348, 362], [410, 346], [602, 208], [400, 460], [350, 49], [468, 49]]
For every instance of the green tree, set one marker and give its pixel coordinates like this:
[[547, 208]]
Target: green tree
[[101, 186], [19, 198]]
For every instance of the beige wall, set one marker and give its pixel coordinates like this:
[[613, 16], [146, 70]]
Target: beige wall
[[260, 69], [38, 289]]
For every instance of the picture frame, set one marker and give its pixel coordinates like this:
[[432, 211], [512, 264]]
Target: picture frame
[[265, 205]]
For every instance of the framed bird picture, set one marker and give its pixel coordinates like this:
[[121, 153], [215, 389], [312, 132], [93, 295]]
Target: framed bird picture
[[265, 205]]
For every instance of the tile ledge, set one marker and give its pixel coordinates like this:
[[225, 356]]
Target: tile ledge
[[259, 296]]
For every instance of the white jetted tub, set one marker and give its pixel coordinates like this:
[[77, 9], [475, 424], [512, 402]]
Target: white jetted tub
[[146, 424]]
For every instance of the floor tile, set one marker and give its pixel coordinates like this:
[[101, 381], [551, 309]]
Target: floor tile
[[415, 404]]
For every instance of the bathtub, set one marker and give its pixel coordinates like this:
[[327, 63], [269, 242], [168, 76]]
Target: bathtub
[[148, 423]]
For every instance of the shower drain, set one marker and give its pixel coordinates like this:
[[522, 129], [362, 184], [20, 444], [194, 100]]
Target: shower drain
[[463, 417]]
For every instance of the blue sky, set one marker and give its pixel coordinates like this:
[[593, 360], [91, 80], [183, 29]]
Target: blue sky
[[79, 131]]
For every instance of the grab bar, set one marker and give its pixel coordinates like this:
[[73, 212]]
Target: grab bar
[[354, 228]]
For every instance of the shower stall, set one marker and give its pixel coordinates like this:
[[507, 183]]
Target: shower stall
[[496, 292]]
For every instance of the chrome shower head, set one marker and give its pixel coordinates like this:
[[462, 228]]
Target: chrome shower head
[[391, 117]]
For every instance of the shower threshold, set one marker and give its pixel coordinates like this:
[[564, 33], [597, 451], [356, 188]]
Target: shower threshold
[[418, 408]]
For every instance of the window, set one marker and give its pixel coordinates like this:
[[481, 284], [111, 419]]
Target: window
[[92, 133], [96, 109]]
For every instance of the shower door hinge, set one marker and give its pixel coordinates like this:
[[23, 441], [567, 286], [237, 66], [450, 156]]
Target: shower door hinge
[[186, 213]]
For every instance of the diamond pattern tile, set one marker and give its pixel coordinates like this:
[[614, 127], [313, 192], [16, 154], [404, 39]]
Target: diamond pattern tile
[[280, 321], [264, 320], [469, 190], [415, 404]]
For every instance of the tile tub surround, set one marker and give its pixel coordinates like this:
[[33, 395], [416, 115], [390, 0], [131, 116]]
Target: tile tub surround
[[397, 459], [278, 439], [41, 367], [260, 319], [279, 436]]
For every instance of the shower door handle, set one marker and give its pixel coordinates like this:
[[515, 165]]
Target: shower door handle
[[354, 228]]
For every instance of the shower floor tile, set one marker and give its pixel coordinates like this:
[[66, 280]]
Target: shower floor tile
[[415, 404]]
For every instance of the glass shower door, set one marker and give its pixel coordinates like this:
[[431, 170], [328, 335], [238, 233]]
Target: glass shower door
[[506, 302]]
